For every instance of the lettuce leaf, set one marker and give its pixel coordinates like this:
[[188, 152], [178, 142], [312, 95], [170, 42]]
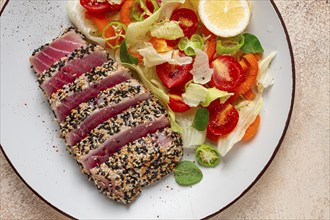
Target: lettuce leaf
[[265, 78], [152, 58], [201, 70], [213, 94], [169, 30], [196, 94], [191, 137], [137, 32], [248, 111]]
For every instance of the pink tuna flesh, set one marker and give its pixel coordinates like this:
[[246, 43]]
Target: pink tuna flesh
[[73, 101], [53, 52], [100, 116], [115, 142], [72, 70]]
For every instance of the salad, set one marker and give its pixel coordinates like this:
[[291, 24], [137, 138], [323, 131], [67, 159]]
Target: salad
[[196, 58]]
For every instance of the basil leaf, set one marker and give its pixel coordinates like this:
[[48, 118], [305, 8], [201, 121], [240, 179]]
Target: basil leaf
[[201, 119], [125, 56], [251, 44], [187, 173]]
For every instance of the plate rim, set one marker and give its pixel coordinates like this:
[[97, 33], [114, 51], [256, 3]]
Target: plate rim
[[259, 175]]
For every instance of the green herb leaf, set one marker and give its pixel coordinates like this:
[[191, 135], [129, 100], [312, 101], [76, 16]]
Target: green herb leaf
[[251, 44], [201, 119], [125, 56], [187, 173], [207, 155]]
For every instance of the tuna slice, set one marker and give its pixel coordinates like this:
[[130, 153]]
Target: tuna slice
[[109, 137], [69, 68], [50, 53], [142, 162], [108, 103], [87, 86]]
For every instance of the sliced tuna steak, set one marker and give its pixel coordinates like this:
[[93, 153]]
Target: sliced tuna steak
[[69, 68], [109, 103], [143, 161], [50, 53], [109, 137], [87, 86]]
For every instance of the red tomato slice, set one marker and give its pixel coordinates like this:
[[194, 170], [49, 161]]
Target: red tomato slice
[[173, 75], [150, 6], [227, 74], [223, 119], [188, 20], [176, 103], [99, 7]]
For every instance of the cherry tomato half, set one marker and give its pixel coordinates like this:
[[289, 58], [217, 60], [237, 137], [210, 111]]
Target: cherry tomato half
[[223, 119], [188, 20], [227, 74], [176, 103], [173, 75], [99, 7]]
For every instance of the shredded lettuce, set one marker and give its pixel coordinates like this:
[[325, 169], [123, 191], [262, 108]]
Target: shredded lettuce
[[213, 94], [152, 58], [265, 78], [196, 94], [169, 30], [248, 111], [201, 70], [137, 32], [191, 137]]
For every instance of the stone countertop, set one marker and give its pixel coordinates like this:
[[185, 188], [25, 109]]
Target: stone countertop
[[297, 183]]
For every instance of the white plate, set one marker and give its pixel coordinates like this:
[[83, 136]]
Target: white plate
[[29, 135]]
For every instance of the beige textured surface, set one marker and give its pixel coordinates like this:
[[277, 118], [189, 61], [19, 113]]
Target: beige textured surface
[[297, 183]]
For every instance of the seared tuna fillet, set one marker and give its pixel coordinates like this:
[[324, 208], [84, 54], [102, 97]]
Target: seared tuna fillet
[[109, 103], [50, 53], [87, 86], [69, 68], [107, 138], [142, 162]]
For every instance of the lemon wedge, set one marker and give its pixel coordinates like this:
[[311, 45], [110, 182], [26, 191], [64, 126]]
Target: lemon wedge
[[225, 18]]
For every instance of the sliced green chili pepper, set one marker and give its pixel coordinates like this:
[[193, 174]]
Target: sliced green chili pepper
[[207, 155], [230, 45], [119, 29], [189, 45]]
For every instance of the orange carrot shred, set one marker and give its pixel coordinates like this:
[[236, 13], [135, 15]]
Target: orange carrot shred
[[249, 95], [252, 130]]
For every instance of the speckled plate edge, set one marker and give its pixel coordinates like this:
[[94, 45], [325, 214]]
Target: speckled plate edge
[[265, 167]]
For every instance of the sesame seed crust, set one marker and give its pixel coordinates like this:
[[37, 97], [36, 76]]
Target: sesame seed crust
[[147, 160], [67, 30], [75, 55], [105, 99], [85, 81], [146, 111]]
